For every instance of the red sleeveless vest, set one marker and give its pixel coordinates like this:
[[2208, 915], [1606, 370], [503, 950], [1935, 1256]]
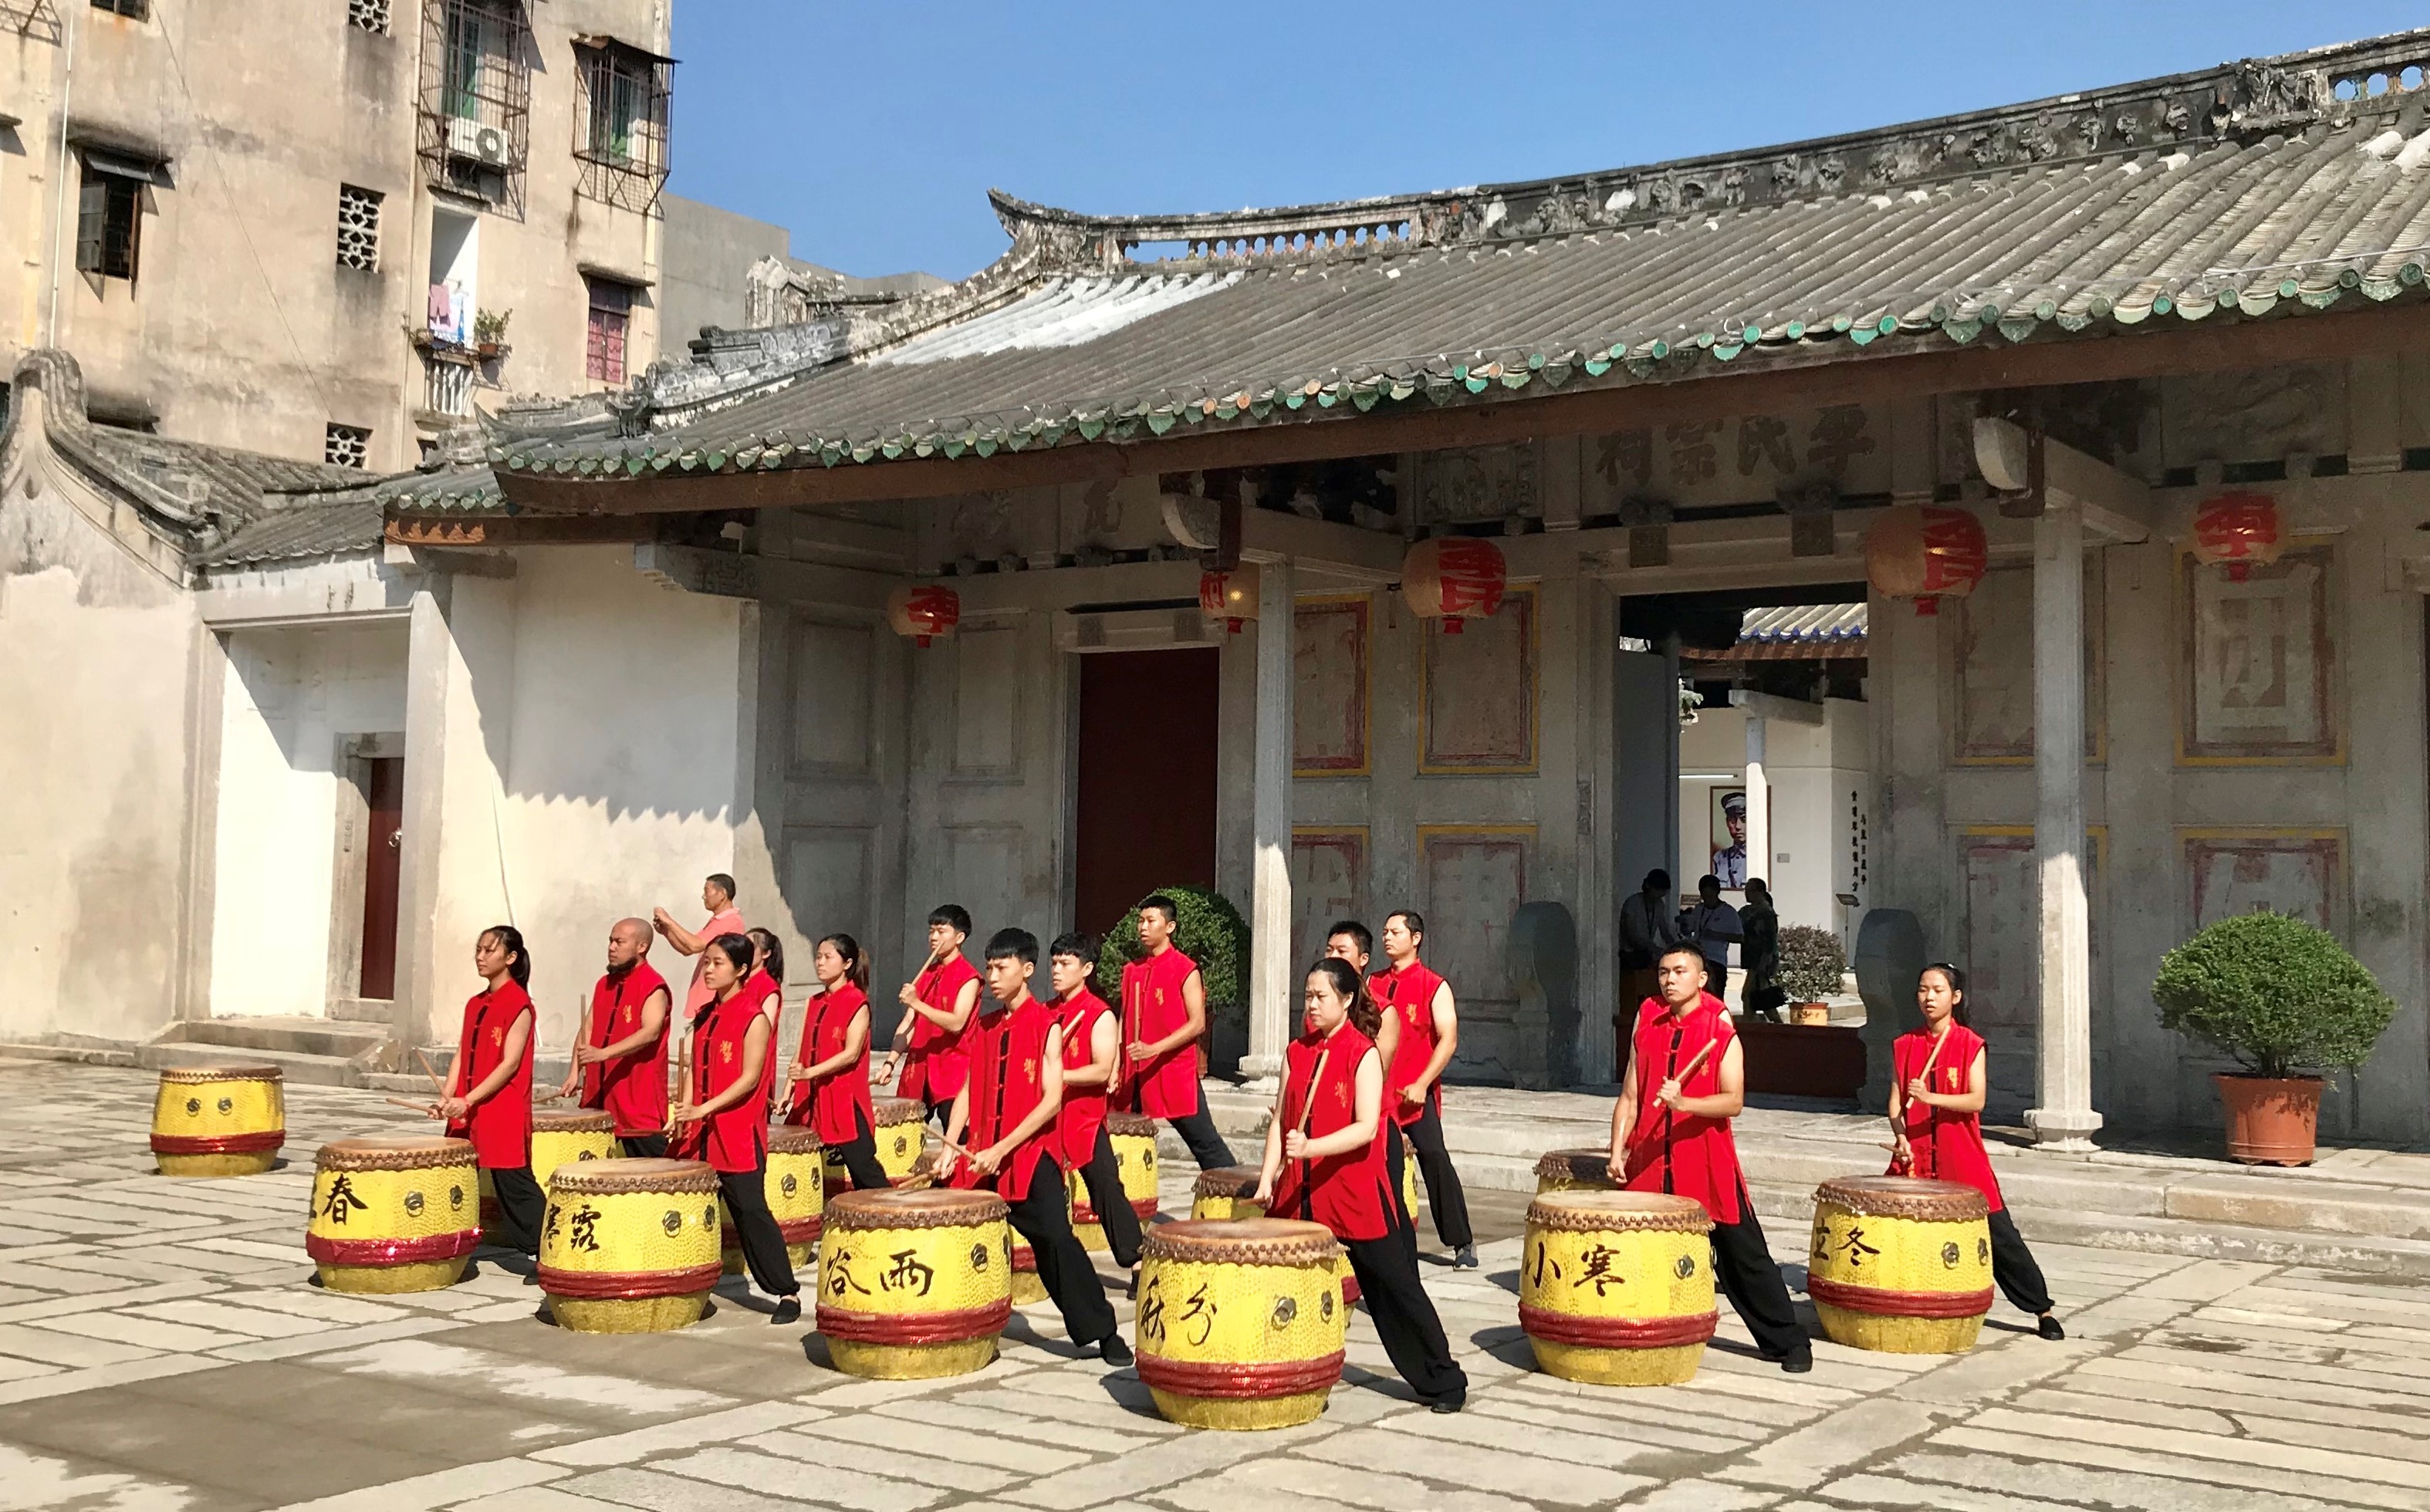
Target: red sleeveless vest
[[1167, 1086], [829, 1104], [1350, 1193], [1675, 1152], [735, 1138], [1007, 1061], [1948, 1144], [1409, 995], [1084, 1108], [632, 1087], [937, 1063], [499, 1128]]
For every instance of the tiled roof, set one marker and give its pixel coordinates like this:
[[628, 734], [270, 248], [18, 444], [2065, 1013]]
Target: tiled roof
[[1804, 624], [2215, 195], [297, 528]]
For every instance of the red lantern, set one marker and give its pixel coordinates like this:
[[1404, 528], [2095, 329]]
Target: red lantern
[[2240, 531], [1453, 579], [924, 612], [1231, 597], [1927, 554]]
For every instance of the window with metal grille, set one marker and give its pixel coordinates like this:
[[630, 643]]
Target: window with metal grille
[[622, 137], [474, 117], [347, 445], [136, 9], [367, 15], [110, 217], [612, 316], [358, 225]]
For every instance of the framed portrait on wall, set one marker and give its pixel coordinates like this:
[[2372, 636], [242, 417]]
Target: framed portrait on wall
[[1728, 833]]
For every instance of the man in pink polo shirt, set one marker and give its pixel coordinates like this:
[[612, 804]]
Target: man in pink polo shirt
[[717, 896]]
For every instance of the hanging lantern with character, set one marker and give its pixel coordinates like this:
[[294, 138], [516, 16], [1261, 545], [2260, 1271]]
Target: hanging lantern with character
[[1453, 579], [1925, 553], [923, 611], [2240, 531], [1231, 597]]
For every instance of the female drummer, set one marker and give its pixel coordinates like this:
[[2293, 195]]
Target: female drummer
[[830, 1078], [488, 1088], [1324, 1162], [1937, 1087], [722, 1118], [763, 987]]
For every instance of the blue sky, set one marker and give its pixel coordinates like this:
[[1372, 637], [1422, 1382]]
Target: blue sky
[[875, 130]]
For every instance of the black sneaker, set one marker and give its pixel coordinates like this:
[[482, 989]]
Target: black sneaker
[[1798, 1363], [1113, 1351], [1464, 1260], [2050, 1329], [788, 1311], [1449, 1400]]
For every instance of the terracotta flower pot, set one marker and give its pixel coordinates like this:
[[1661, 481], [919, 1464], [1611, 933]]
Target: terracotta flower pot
[[2272, 1120]]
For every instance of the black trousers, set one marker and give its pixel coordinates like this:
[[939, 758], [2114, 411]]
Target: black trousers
[[1749, 1277], [522, 1207], [763, 1242], [643, 1146], [1044, 1218], [1404, 1313], [1444, 1194], [859, 1157], [1197, 1130], [2012, 1267], [1103, 1176]]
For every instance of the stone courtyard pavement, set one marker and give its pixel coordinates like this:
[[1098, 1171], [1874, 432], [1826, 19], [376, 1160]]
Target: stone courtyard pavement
[[162, 1347]]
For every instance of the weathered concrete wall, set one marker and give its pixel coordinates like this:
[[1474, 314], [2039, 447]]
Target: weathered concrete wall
[[291, 702]]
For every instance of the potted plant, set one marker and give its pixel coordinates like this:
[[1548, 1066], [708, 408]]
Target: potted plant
[[1210, 931], [490, 331], [2286, 1000], [1813, 969]]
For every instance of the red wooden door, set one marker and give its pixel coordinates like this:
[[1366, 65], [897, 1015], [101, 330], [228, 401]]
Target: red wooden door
[[1146, 809], [379, 877]]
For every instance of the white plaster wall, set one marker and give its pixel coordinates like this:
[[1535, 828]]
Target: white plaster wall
[[96, 665], [290, 701]]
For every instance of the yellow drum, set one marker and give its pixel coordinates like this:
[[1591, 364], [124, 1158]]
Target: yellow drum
[[1133, 1138], [914, 1284], [1226, 1191], [392, 1214], [629, 1246], [1027, 1285], [1899, 1265], [1240, 1321], [218, 1121], [900, 1129], [1574, 1170], [557, 1138], [796, 1196], [1615, 1288]]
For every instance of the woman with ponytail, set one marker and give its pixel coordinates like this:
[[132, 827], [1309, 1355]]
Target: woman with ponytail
[[830, 1074], [489, 1088]]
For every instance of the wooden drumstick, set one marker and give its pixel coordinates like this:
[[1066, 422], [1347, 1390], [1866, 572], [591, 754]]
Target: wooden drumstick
[[1926, 1076], [1693, 1061], [431, 1071], [894, 1057], [424, 1109]]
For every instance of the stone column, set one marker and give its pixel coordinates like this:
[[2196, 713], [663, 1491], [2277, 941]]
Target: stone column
[[1272, 998], [2065, 1119], [1759, 800]]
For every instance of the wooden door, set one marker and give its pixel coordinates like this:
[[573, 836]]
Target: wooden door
[[387, 802], [1146, 809]]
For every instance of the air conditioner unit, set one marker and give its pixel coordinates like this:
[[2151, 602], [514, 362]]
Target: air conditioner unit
[[485, 145]]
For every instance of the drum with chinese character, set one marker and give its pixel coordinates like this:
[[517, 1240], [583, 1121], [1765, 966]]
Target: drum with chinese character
[[1240, 1321], [1615, 1288], [218, 1121], [557, 1138], [629, 1246], [1899, 1265], [1574, 1170], [914, 1284], [1226, 1191], [796, 1189], [899, 1131], [393, 1214]]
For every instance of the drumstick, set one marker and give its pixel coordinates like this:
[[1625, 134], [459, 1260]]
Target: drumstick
[[1926, 1076], [431, 1071], [424, 1109], [894, 1057], [1693, 1061]]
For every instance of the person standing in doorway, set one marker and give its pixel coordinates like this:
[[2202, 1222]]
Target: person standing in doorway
[[1760, 995], [1164, 1013], [1713, 928], [620, 1061], [1671, 1133], [938, 1005], [1940, 1079], [717, 896], [1646, 930], [1415, 995]]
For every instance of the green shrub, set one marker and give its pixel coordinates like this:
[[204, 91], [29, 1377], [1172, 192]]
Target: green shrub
[[1813, 967], [2275, 992], [1211, 931]]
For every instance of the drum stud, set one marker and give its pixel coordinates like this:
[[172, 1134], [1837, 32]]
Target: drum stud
[[1286, 1311], [673, 1223], [455, 1197], [227, 1105], [1684, 1267], [193, 1104], [414, 1203], [1949, 1254], [979, 1257]]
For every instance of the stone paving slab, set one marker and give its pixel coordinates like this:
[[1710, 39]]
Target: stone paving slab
[[162, 1346]]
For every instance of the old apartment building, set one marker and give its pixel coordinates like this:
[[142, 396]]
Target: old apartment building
[[330, 230]]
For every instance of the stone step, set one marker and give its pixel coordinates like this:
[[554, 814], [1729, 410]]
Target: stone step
[[363, 1011], [299, 1069], [335, 1038]]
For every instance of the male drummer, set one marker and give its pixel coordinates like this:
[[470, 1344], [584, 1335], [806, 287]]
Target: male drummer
[[1092, 1055], [938, 1005], [1164, 1013], [620, 1061], [1007, 1108], [1671, 1133], [1412, 993], [717, 896]]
